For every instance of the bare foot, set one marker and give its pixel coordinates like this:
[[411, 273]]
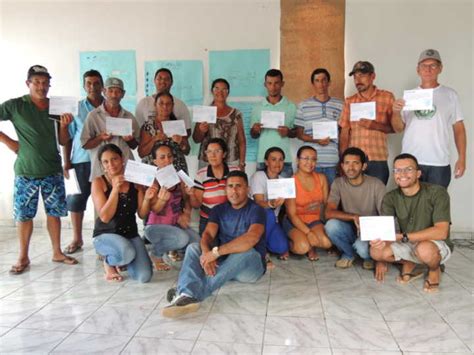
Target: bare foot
[[312, 255], [21, 266], [160, 264], [112, 273], [431, 284]]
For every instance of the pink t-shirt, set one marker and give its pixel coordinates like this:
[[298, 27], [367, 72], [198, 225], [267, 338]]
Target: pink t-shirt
[[170, 213]]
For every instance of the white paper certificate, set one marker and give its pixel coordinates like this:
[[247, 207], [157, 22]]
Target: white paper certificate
[[377, 227], [281, 188], [205, 114], [421, 99], [171, 128], [185, 178], [63, 104], [272, 119], [324, 129], [167, 177], [72, 185], [118, 126], [139, 173], [363, 110]]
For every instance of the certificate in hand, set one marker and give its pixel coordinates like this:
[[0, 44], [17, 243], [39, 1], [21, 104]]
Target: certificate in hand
[[272, 119], [118, 126], [421, 99], [281, 188], [167, 177], [170, 128], [185, 178], [72, 185], [325, 129], [363, 110], [377, 227], [205, 114], [139, 173], [63, 104]]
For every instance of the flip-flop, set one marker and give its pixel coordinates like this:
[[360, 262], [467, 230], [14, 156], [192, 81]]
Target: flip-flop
[[160, 265], [68, 260], [19, 269], [412, 277], [114, 278], [312, 255], [72, 248], [284, 257], [429, 287]]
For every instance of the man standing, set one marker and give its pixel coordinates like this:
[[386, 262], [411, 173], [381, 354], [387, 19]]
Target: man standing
[[320, 108], [423, 214], [368, 135], [146, 107], [352, 195], [427, 132], [37, 166], [94, 133], [268, 137], [77, 158], [231, 248]]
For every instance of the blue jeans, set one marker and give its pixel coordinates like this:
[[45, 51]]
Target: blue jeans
[[242, 267], [165, 238], [378, 169], [119, 251], [344, 236], [287, 171], [276, 239], [330, 173], [439, 175]]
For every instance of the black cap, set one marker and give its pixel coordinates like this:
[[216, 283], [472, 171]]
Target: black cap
[[363, 67], [38, 70]]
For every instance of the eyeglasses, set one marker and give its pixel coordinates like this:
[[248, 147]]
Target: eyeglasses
[[213, 151], [407, 170], [308, 159], [432, 66]]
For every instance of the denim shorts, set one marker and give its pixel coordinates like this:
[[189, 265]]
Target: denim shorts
[[288, 226], [78, 203], [26, 195]]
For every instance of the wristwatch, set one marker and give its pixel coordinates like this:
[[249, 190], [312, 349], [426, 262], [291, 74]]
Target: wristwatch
[[215, 252], [405, 238]]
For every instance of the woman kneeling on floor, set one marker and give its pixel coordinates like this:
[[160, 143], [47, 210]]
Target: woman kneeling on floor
[[115, 233], [168, 224]]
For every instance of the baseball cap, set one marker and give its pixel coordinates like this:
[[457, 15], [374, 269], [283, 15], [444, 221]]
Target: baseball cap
[[114, 83], [38, 70], [429, 54], [363, 67]]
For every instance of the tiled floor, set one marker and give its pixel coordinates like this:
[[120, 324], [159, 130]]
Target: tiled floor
[[300, 307]]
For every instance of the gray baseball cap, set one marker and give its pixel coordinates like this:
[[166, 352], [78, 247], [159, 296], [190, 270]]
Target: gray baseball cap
[[429, 54], [114, 83]]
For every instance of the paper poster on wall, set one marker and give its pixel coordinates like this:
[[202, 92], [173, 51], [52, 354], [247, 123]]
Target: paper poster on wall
[[187, 79], [119, 64], [246, 108], [243, 69]]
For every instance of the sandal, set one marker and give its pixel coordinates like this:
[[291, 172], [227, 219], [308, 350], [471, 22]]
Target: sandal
[[430, 287], [19, 269], [407, 277], [312, 255], [68, 260], [284, 256], [270, 264], [73, 248], [112, 273], [160, 265]]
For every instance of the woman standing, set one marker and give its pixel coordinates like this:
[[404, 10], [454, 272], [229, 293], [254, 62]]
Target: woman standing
[[229, 126], [115, 232]]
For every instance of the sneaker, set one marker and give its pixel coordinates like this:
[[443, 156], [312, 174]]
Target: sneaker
[[344, 263], [171, 294], [181, 306], [368, 265]]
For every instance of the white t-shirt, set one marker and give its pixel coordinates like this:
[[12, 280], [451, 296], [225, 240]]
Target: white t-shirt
[[427, 133], [146, 110], [258, 185]]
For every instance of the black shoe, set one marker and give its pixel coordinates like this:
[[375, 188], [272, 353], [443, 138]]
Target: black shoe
[[171, 294], [181, 306]]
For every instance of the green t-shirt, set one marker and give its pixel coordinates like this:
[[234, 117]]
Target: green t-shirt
[[270, 137], [428, 206], [38, 155]]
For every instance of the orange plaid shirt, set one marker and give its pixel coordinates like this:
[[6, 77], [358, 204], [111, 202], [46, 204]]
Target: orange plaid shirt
[[372, 142]]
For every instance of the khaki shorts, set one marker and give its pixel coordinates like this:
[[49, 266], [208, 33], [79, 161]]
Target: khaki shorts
[[406, 251]]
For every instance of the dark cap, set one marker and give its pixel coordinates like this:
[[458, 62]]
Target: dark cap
[[363, 67], [38, 70]]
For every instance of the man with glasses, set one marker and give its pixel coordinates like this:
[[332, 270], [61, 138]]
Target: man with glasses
[[370, 135], [427, 131], [37, 166], [146, 107], [422, 213]]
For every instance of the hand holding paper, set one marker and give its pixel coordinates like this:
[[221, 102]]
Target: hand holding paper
[[421, 99], [139, 173], [377, 227], [167, 177], [324, 129], [63, 104]]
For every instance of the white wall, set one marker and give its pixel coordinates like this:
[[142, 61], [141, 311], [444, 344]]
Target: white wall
[[388, 33]]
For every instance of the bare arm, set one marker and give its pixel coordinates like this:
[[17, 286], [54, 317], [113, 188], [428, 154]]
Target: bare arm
[[333, 213], [9, 142], [63, 132], [438, 232], [96, 141], [461, 141], [290, 205], [105, 207], [397, 123], [243, 242]]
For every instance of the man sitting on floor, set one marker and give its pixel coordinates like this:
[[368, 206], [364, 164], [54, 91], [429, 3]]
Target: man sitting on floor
[[423, 215], [232, 248]]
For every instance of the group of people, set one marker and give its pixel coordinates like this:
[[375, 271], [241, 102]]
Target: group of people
[[238, 224]]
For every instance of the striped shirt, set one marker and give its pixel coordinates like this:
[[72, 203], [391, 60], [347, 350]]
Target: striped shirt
[[214, 188], [371, 141], [313, 110]]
